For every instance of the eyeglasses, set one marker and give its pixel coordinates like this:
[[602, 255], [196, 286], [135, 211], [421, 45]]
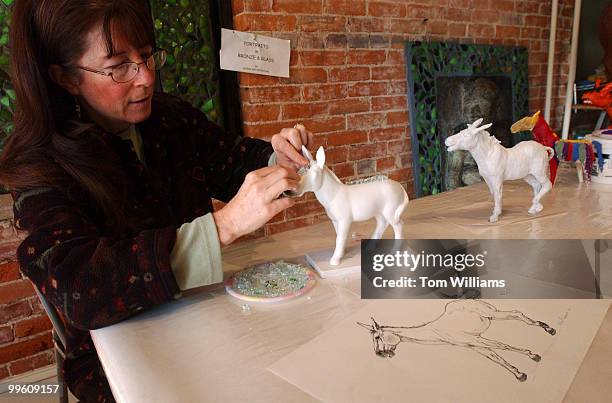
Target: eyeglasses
[[127, 71]]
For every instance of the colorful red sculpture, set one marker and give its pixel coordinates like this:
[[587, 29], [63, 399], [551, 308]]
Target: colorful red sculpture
[[542, 133], [601, 96]]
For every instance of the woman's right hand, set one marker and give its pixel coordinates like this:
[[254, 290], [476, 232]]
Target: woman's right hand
[[255, 203]]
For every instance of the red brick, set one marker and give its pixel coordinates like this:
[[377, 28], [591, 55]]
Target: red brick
[[238, 7], [385, 164], [481, 30], [265, 130], [320, 140], [297, 6], [344, 170], [358, 41], [345, 138], [36, 305], [8, 248], [345, 74], [304, 209], [459, 3], [248, 79], [422, 11], [538, 57], [397, 118], [4, 373], [511, 19], [380, 41], [257, 5], [350, 105], [536, 21], [303, 75], [389, 103], [257, 113], [388, 72], [367, 89], [368, 57], [365, 167], [401, 175], [481, 4], [365, 151], [527, 7], [485, 16], [386, 9], [304, 110], [458, 14], [345, 7], [364, 121], [504, 5], [9, 272], [336, 155], [325, 124], [31, 363], [309, 23], [6, 334], [335, 41], [398, 87], [323, 57], [414, 26], [392, 133], [255, 22], [15, 290], [320, 92], [270, 94], [395, 57], [398, 146], [272, 229], [502, 31], [370, 25], [310, 40], [406, 160], [25, 348], [530, 32], [32, 325], [456, 29]]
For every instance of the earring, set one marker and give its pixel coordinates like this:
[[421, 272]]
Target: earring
[[77, 108]]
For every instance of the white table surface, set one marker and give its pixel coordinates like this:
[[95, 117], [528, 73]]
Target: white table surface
[[206, 348]]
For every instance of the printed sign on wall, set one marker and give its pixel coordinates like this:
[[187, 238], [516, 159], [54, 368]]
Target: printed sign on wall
[[252, 53]]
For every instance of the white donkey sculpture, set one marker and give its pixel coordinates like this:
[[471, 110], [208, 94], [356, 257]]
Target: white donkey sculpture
[[461, 324], [385, 200], [527, 160]]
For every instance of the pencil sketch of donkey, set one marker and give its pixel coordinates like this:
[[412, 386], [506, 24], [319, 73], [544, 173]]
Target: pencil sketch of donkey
[[384, 200], [461, 324], [527, 160]]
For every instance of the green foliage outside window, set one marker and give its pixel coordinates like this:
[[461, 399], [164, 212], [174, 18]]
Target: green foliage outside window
[[7, 95], [182, 28]]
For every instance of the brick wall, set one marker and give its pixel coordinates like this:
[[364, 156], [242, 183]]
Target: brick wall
[[25, 336], [348, 76], [347, 85]]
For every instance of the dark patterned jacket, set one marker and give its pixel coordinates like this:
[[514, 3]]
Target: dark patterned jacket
[[93, 279]]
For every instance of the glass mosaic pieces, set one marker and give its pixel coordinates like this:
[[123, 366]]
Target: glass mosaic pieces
[[271, 282]]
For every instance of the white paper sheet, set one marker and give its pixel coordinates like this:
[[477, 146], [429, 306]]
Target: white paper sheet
[[253, 53], [341, 366]]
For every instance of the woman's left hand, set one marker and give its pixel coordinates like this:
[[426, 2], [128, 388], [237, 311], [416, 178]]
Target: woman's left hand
[[288, 146]]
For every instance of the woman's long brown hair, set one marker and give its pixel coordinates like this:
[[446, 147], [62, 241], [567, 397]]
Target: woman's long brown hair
[[48, 145]]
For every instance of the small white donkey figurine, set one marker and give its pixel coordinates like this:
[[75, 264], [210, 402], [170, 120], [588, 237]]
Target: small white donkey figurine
[[527, 160], [385, 200]]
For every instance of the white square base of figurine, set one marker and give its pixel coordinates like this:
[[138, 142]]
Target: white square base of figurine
[[350, 263]]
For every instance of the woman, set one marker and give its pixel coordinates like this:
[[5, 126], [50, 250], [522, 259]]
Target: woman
[[112, 182]]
